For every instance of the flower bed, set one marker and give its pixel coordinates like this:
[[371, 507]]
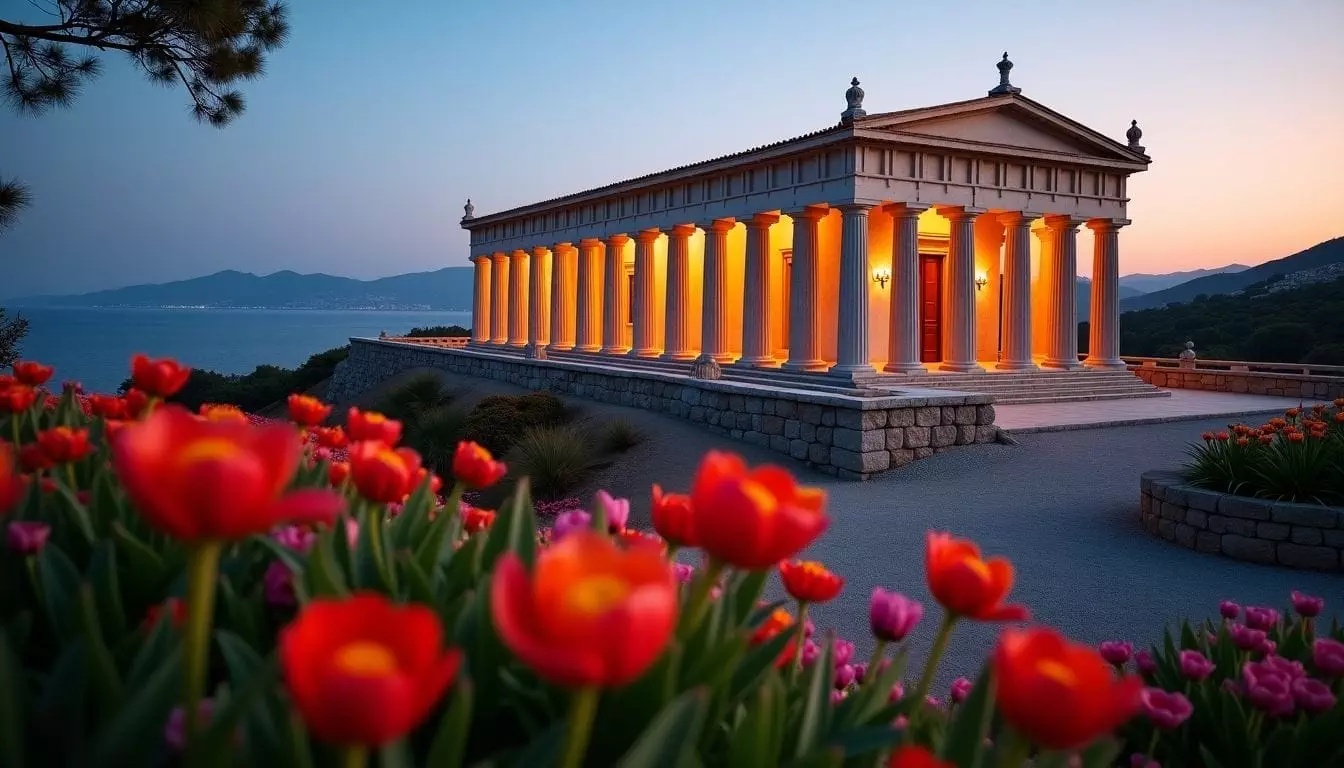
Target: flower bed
[[184, 588]]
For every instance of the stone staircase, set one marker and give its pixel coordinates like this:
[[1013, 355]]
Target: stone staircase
[[1016, 388]]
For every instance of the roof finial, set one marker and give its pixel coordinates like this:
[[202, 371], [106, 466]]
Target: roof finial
[[469, 209], [853, 103], [1134, 134], [1004, 87]]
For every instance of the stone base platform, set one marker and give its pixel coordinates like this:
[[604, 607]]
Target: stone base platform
[[852, 434]]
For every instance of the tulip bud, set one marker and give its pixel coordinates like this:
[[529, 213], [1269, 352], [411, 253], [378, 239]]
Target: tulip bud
[[26, 537], [1229, 610], [1307, 606]]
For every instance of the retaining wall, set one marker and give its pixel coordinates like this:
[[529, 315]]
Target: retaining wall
[[1311, 388]]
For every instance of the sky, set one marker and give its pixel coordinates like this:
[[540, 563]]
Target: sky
[[377, 120]]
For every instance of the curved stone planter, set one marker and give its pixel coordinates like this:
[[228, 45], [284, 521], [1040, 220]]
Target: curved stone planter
[[1274, 532]]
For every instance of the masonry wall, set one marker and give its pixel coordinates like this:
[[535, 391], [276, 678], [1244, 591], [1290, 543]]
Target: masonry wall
[[851, 437], [1313, 388]]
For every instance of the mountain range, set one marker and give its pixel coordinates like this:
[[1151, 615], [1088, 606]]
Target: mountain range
[[1140, 282]]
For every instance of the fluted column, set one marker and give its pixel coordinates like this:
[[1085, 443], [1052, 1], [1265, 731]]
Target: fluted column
[[590, 296], [1016, 323], [714, 311], [756, 314], [1103, 340], [903, 351], [676, 344], [480, 301], [646, 285], [564, 294], [1062, 275], [851, 347], [518, 293], [959, 305], [539, 307], [804, 344], [499, 306], [614, 304]]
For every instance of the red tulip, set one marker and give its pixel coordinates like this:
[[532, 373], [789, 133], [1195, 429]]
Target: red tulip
[[200, 480], [778, 621], [158, 378], [673, 518], [372, 426], [965, 584], [364, 671], [62, 445], [330, 437], [915, 756], [753, 519], [307, 411], [1061, 695], [809, 581], [32, 373], [474, 467], [177, 613], [337, 472], [17, 398], [214, 412], [589, 613], [137, 403], [382, 474], [33, 459], [475, 519], [11, 482], [107, 406]]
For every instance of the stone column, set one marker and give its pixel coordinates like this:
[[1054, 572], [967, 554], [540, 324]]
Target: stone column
[[1103, 339], [614, 304], [903, 348], [480, 301], [564, 293], [646, 286], [714, 312], [518, 294], [1016, 355], [590, 296], [959, 292], [499, 305], [804, 346], [676, 344], [851, 349], [756, 349], [1062, 352], [539, 308]]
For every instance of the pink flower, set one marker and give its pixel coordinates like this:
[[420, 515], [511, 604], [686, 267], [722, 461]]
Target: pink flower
[[1259, 617], [1145, 662], [295, 538], [1140, 760], [1194, 666], [1116, 652], [932, 701], [892, 615], [1166, 709], [809, 628], [961, 688], [1246, 638], [618, 510], [351, 532], [1307, 607], [568, 522], [1328, 657], [1229, 610], [322, 453], [901, 721], [26, 537], [810, 653], [175, 730], [683, 572], [1293, 669], [897, 693], [860, 671], [844, 675], [278, 584], [1313, 696], [837, 697], [1268, 688], [841, 651]]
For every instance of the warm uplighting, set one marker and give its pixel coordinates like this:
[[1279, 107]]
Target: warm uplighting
[[881, 276], [981, 281]]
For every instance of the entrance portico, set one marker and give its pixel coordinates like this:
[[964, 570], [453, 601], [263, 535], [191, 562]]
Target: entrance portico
[[932, 240]]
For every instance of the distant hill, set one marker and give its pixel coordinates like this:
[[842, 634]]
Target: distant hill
[[1141, 282], [1319, 255], [445, 289], [1084, 296]]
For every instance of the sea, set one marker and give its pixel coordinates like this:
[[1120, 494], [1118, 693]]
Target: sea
[[94, 345]]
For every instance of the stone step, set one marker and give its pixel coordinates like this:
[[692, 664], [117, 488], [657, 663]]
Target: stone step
[[1081, 389], [1030, 400]]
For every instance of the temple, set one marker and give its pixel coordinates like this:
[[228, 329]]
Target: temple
[[884, 247]]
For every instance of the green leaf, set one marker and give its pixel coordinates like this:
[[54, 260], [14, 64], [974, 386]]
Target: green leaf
[[241, 659], [756, 742], [746, 591], [965, 742], [11, 705], [138, 726], [1209, 760], [102, 669], [671, 738], [872, 696], [464, 568], [816, 701], [1102, 754], [324, 575], [417, 585], [145, 567], [544, 749], [756, 664], [446, 527], [107, 591], [78, 513], [60, 590], [868, 739], [515, 530], [450, 741], [216, 739]]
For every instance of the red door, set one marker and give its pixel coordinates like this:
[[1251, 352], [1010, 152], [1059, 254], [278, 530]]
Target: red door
[[930, 309]]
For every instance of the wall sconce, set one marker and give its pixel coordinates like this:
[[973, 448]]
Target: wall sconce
[[981, 281], [881, 276]]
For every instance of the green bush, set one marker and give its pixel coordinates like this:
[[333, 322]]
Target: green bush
[[438, 330], [1299, 457], [434, 434], [555, 458], [620, 435], [419, 393], [498, 422], [265, 386]]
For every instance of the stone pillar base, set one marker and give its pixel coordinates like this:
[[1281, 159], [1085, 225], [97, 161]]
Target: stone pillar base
[[905, 368], [757, 362], [1021, 365], [853, 373], [1061, 365], [647, 354], [560, 347], [614, 350], [678, 357], [1105, 365], [806, 366], [962, 367], [588, 349], [517, 344]]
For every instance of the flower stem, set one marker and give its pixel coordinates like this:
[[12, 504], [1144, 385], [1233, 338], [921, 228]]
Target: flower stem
[[582, 711], [202, 570], [373, 524], [700, 589], [14, 429], [801, 639], [875, 660], [931, 666], [70, 476], [1151, 752], [1013, 750], [31, 563], [355, 756]]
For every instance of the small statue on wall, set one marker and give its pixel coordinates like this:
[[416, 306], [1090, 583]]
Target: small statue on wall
[[1188, 355]]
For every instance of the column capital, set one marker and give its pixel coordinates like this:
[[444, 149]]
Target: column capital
[[480, 257], [958, 212], [618, 239], [762, 220], [590, 242], [517, 253], [680, 230], [499, 256], [855, 207], [1063, 221], [717, 225], [647, 235], [906, 210], [818, 211], [1018, 218], [1107, 224], [558, 247], [540, 250]]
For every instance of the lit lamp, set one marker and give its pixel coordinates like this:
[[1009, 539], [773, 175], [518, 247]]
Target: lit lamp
[[981, 281], [881, 276]]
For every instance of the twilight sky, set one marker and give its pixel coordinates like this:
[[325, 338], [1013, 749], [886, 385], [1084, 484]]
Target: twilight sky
[[378, 119]]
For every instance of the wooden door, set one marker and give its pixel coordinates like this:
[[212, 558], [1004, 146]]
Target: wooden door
[[930, 309]]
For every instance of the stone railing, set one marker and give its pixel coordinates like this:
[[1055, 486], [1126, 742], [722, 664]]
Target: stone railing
[[1312, 382], [1259, 530], [431, 341]]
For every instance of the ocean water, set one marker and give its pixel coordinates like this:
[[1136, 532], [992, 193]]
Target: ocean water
[[94, 346]]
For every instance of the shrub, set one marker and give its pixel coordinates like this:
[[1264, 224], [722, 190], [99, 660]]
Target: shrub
[[438, 330], [620, 435], [434, 434], [554, 458], [264, 386], [419, 393], [498, 422], [1297, 457]]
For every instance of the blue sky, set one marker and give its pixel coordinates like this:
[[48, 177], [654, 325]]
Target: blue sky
[[378, 119]]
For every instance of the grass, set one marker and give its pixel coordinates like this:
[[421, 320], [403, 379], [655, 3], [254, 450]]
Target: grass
[[620, 435], [557, 458], [418, 394], [434, 434]]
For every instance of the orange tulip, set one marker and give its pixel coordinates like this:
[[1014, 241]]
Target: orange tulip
[[589, 613], [364, 671], [915, 756], [330, 437], [17, 398], [673, 518], [371, 425], [214, 412], [200, 480], [307, 411], [1059, 694], [62, 445], [11, 482], [965, 584], [158, 378], [753, 519], [809, 581], [32, 373], [475, 519], [778, 621], [474, 467], [337, 472], [382, 474], [631, 537]]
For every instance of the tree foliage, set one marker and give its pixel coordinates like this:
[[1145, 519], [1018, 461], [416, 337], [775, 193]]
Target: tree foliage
[[206, 46], [11, 333], [14, 197], [263, 387]]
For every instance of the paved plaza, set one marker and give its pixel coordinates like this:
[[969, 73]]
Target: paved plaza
[[1183, 405]]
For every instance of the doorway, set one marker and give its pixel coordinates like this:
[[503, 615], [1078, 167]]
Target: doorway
[[930, 308]]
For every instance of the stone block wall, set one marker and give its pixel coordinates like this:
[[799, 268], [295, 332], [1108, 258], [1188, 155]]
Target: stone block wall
[[1310, 388], [1307, 536], [851, 437]]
